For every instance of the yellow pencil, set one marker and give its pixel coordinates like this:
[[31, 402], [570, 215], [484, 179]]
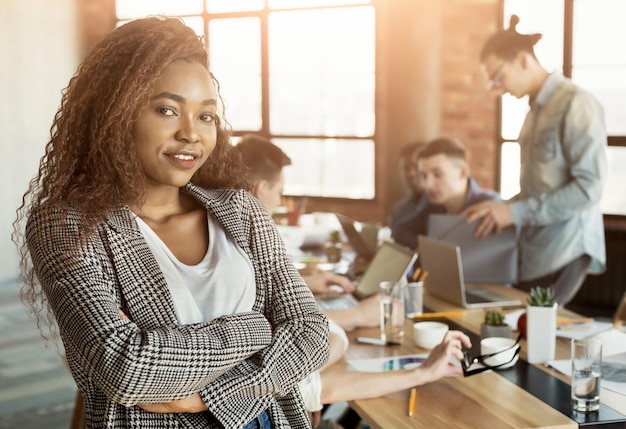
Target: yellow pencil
[[424, 275], [412, 402], [439, 314], [416, 274]]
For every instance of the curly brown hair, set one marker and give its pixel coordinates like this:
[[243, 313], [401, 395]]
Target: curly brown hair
[[90, 163]]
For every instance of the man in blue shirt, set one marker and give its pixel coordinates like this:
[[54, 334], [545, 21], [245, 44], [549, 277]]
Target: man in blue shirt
[[407, 206], [563, 164], [448, 188]]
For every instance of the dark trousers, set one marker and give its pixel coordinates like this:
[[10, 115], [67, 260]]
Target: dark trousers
[[565, 281]]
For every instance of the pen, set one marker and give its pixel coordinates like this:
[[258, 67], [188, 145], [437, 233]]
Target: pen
[[439, 314], [412, 402], [424, 275], [416, 274], [565, 321], [369, 340]]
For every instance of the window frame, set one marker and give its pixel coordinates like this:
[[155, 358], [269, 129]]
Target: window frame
[[568, 39], [263, 15]]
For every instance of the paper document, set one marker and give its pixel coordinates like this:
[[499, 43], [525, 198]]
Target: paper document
[[391, 363], [580, 327]]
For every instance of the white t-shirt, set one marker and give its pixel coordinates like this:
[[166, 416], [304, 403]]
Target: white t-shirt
[[221, 284]]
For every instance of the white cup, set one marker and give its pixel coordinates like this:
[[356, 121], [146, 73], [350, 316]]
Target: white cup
[[499, 344], [429, 334]]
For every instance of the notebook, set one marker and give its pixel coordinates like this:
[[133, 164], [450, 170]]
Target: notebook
[[443, 262], [390, 263], [362, 249], [492, 259]]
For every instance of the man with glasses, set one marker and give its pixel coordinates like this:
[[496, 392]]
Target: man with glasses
[[563, 169]]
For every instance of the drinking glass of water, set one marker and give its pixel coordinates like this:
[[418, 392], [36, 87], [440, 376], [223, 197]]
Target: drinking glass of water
[[392, 311], [586, 371]]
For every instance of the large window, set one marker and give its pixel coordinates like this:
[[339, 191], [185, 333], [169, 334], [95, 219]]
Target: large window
[[581, 38], [301, 72]]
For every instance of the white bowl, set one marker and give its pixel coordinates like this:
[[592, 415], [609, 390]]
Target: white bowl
[[496, 344], [429, 334]]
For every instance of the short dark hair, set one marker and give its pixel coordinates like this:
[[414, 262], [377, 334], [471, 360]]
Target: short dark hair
[[507, 43], [452, 148], [263, 158]]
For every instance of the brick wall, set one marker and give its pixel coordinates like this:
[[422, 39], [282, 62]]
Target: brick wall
[[468, 111]]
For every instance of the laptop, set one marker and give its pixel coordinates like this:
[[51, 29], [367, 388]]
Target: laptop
[[358, 242], [443, 262], [492, 259], [391, 262]]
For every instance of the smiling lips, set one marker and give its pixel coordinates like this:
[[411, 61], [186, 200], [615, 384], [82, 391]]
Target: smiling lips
[[184, 160]]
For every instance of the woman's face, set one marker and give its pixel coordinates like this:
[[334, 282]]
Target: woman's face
[[177, 130]]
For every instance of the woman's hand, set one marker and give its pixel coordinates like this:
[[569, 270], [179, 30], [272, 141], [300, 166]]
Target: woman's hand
[[315, 417], [437, 364], [326, 283]]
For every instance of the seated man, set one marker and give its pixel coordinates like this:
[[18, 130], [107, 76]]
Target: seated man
[[409, 205], [445, 176], [266, 161]]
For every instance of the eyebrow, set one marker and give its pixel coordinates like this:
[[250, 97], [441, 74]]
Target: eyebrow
[[180, 99]]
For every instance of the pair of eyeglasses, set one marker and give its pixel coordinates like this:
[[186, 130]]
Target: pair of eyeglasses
[[494, 81], [476, 365]]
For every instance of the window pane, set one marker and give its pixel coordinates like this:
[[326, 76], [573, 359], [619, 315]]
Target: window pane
[[601, 71], [509, 170], [319, 167], [513, 113], [614, 197], [235, 51], [322, 82], [540, 16], [131, 9], [221, 6], [280, 4], [194, 22]]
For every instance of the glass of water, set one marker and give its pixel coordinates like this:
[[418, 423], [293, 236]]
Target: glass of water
[[392, 311], [586, 371]]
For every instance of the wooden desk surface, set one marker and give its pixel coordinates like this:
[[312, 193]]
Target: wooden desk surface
[[486, 400]]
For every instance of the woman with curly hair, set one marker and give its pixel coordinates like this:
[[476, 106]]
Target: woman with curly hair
[[169, 285]]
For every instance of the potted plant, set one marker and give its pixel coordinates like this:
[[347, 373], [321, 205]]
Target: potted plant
[[541, 325], [333, 247], [494, 325]]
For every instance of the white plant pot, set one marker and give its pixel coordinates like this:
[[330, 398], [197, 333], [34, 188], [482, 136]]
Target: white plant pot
[[541, 333]]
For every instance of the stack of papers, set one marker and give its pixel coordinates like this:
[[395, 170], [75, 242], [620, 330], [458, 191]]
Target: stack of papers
[[577, 328]]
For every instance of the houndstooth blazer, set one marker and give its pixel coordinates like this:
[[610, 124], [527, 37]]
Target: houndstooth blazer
[[240, 364]]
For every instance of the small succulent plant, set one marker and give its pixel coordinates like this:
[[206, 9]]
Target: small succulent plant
[[494, 318], [541, 297], [335, 236]]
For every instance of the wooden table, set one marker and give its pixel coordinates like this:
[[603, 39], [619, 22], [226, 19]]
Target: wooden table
[[487, 400]]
